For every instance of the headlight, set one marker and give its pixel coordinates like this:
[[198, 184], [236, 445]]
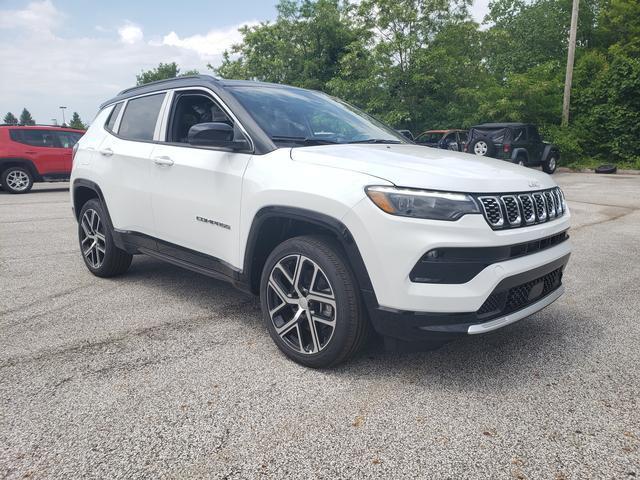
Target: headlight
[[432, 205]]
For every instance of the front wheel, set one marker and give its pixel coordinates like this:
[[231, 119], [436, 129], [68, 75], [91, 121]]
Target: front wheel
[[17, 180], [99, 252], [550, 165], [310, 302]]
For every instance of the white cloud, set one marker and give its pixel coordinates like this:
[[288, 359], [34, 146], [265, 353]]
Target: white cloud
[[214, 42], [38, 16], [130, 33], [48, 70], [479, 9]]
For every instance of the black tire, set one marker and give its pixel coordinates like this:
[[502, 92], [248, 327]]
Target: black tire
[[489, 151], [113, 261], [521, 160], [606, 169], [17, 180], [350, 325], [550, 164]]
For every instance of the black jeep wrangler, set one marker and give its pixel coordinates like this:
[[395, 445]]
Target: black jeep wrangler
[[516, 142]]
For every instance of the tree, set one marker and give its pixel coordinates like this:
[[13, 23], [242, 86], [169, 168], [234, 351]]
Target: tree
[[26, 118], [303, 47], [76, 122], [421, 64], [10, 119], [161, 72]]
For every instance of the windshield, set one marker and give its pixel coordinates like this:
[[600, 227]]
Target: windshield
[[296, 117]]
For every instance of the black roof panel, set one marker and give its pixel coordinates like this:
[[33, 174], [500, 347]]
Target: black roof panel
[[501, 125]]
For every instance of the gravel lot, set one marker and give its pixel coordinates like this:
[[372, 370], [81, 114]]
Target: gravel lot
[[164, 373]]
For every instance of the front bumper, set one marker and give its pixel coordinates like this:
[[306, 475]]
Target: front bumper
[[515, 298], [476, 301]]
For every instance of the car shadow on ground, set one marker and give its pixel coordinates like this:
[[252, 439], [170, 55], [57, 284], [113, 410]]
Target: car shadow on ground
[[37, 190], [503, 359]]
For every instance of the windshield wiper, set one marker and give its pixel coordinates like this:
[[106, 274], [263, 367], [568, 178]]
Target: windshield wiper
[[302, 140], [376, 140]]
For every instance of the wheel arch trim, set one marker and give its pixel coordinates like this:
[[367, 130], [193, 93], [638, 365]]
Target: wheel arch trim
[[338, 229], [88, 184], [21, 162]]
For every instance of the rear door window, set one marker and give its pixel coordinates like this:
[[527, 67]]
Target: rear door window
[[35, 138], [140, 117]]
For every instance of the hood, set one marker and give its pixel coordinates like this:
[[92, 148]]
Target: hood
[[429, 168]]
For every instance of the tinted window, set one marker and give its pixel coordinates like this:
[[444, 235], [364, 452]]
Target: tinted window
[[296, 116], [68, 139], [36, 138], [113, 116], [191, 109], [139, 118], [429, 137], [519, 135]]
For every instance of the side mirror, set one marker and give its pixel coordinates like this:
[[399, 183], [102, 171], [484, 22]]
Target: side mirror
[[215, 134]]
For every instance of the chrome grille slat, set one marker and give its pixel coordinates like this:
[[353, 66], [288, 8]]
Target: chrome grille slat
[[492, 211], [513, 210], [551, 208], [528, 208]]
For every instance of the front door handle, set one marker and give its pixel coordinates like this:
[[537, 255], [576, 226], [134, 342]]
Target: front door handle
[[163, 161], [107, 152]]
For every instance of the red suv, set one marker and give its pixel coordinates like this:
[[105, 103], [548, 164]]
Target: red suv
[[35, 154]]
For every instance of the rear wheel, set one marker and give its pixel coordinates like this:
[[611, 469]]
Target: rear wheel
[[310, 302], [17, 180], [521, 160], [100, 254], [550, 165]]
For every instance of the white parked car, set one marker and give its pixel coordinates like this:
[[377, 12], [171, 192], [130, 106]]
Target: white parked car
[[337, 221]]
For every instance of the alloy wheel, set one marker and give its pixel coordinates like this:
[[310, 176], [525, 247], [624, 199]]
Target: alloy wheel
[[552, 163], [480, 148], [17, 180], [92, 239], [302, 304]]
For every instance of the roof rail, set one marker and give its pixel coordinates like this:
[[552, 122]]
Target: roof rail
[[166, 80]]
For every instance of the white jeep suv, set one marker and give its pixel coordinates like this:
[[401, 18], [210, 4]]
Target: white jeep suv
[[337, 221]]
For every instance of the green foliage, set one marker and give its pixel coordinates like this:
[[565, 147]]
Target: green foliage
[[422, 64], [76, 122], [162, 72], [10, 119], [26, 118]]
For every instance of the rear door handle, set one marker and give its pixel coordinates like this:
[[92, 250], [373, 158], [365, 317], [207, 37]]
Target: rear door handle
[[163, 161], [107, 152]]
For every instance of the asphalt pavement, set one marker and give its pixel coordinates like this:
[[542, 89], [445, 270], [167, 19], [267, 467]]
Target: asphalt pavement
[[163, 373]]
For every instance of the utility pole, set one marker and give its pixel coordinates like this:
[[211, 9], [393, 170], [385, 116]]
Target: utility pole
[[63, 109], [570, 56]]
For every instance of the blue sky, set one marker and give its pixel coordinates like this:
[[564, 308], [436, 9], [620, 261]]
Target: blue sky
[[79, 53]]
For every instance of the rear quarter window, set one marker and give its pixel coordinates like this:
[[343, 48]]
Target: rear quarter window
[[140, 116], [113, 116]]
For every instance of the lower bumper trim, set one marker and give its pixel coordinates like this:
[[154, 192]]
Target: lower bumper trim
[[515, 316]]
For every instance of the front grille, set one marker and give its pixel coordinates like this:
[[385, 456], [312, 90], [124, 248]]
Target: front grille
[[518, 297], [523, 209]]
